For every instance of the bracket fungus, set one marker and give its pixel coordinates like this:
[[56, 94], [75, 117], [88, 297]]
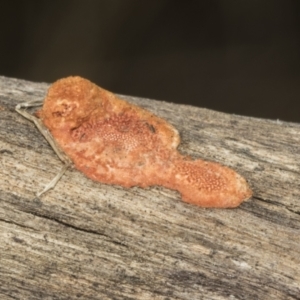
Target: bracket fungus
[[115, 142]]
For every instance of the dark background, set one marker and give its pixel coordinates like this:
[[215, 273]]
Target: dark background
[[237, 56]]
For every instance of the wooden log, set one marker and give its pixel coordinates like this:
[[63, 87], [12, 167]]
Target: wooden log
[[86, 240]]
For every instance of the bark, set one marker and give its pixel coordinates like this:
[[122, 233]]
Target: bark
[[87, 240]]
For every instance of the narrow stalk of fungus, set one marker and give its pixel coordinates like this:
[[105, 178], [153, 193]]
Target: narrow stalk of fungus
[[115, 142]]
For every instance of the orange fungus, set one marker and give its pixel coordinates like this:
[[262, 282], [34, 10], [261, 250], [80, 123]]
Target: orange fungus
[[115, 142]]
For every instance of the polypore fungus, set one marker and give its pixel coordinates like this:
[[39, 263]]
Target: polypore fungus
[[115, 142]]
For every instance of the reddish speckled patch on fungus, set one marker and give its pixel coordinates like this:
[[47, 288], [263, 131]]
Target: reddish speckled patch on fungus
[[115, 142]]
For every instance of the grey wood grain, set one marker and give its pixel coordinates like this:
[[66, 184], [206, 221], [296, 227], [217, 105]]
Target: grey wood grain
[[87, 240]]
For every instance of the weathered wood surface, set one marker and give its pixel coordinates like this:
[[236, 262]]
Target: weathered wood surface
[[86, 240]]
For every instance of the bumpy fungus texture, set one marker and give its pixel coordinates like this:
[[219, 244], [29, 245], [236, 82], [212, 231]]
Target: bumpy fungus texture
[[115, 142]]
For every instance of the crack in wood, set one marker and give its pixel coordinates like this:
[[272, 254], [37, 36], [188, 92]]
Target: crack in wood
[[278, 204], [17, 224], [68, 225]]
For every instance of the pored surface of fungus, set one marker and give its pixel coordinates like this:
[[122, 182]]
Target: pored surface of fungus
[[115, 142]]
